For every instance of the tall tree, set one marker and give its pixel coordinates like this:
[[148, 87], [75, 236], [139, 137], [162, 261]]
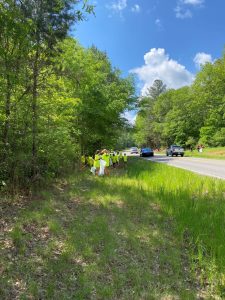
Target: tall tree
[[156, 89], [146, 117], [50, 21]]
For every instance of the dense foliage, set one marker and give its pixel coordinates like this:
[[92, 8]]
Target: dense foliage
[[57, 98], [186, 116]]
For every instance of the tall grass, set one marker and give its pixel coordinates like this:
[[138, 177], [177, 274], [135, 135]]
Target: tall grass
[[197, 203], [149, 231], [217, 153]]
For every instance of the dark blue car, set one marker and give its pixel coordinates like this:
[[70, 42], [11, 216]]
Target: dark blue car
[[146, 152]]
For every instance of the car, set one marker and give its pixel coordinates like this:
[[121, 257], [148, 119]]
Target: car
[[134, 150], [146, 152], [175, 150]]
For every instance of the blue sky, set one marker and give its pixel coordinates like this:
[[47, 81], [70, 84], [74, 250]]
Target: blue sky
[[165, 39]]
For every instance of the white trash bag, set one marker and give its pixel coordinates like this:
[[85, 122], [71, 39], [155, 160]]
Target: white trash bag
[[102, 167], [93, 170]]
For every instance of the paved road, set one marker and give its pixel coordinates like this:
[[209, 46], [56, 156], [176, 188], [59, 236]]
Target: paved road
[[209, 167]]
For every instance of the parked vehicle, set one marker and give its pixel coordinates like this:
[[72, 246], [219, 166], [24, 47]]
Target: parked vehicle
[[134, 150], [146, 152], [175, 150]]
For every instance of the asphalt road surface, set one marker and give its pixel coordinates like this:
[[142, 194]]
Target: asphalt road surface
[[203, 166]]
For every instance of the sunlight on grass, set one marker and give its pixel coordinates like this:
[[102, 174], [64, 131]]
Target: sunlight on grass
[[217, 153], [148, 232]]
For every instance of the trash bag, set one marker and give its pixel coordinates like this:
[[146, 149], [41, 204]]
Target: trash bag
[[93, 170], [102, 167]]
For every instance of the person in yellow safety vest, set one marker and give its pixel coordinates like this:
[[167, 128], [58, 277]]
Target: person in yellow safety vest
[[125, 159], [110, 159], [90, 161], [120, 158], [114, 160], [97, 162], [106, 158], [120, 155], [117, 157], [82, 160]]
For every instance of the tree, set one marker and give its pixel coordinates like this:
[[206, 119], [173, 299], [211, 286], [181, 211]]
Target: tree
[[146, 116], [103, 95], [156, 89], [188, 115], [30, 32]]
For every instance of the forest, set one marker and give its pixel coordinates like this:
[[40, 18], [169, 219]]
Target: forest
[[58, 99], [187, 116]]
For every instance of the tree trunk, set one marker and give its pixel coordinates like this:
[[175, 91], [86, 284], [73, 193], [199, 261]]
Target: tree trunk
[[7, 118], [34, 166]]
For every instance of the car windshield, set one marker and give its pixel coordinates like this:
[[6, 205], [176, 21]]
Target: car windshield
[[146, 150]]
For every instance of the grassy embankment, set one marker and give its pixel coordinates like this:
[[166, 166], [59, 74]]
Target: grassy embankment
[[217, 153], [149, 232]]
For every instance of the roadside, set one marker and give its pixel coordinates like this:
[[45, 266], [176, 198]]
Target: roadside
[[117, 237], [203, 166], [214, 153]]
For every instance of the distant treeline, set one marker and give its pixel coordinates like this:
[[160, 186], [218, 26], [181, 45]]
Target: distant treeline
[[57, 99], [187, 116]]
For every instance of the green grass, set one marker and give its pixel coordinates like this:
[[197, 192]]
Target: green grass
[[216, 153], [147, 232]]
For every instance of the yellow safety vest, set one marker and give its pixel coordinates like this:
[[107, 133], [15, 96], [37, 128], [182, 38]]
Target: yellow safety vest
[[96, 161]]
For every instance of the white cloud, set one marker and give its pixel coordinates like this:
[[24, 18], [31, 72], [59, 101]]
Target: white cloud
[[136, 8], [183, 10], [158, 23], [118, 6], [193, 2], [202, 58], [158, 65], [130, 116], [182, 13]]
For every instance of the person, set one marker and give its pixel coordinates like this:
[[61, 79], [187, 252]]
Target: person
[[117, 158], [125, 159], [90, 161], [110, 159], [121, 158], [102, 163], [83, 161], [120, 155], [97, 162], [106, 158], [114, 160]]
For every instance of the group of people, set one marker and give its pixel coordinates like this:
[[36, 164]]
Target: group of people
[[200, 148], [102, 160]]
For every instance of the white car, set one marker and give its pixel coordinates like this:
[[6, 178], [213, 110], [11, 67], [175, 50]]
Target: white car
[[134, 150], [175, 150]]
